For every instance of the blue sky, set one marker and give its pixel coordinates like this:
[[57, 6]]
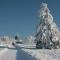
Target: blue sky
[[20, 16]]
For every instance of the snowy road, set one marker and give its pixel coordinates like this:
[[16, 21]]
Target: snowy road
[[16, 54]]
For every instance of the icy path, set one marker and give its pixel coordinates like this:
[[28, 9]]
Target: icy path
[[13, 54]]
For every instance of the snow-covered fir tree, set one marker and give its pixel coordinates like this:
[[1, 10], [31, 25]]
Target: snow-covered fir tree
[[48, 35]]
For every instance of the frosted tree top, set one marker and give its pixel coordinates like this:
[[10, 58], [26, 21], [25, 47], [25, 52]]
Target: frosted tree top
[[45, 13]]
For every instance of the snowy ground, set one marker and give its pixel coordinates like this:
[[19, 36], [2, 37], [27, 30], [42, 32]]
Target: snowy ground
[[16, 54], [43, 54], [21, 52]]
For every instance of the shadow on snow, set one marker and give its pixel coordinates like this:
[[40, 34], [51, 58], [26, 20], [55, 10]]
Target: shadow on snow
[[22, 55]]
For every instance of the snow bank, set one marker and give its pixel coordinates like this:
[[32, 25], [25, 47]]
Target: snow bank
[[42, 54]]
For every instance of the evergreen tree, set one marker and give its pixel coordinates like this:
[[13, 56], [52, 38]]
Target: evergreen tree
[[47, 32]]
